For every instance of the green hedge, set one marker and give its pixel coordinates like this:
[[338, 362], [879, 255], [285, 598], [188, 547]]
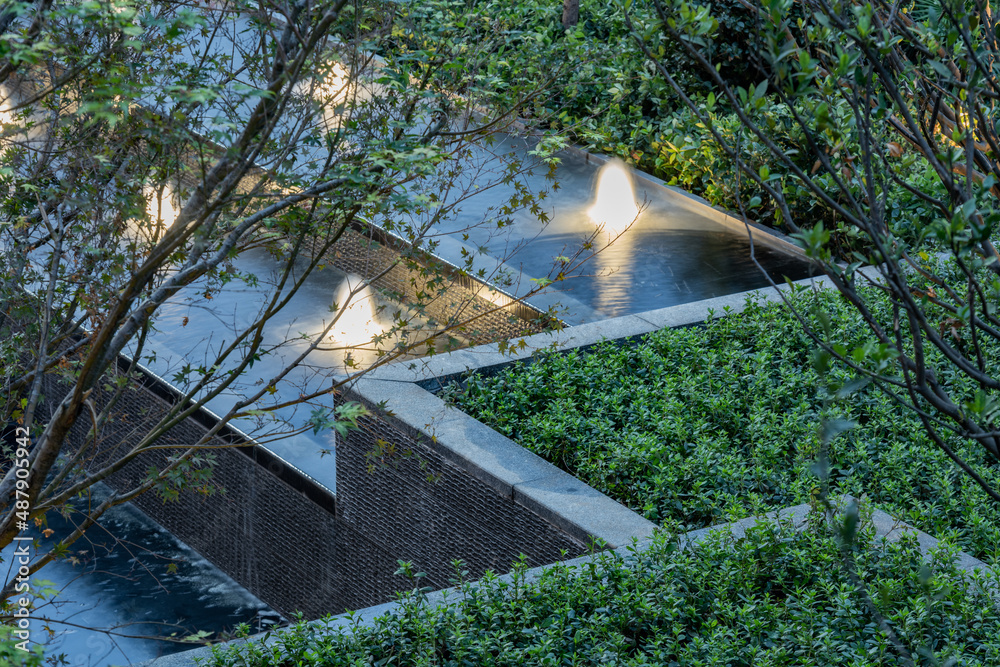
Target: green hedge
[[602, 91], [774, 598], [701, 425], [601, 88]]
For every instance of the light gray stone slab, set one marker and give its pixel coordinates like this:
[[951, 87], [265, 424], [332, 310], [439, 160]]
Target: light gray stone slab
[[615, 328], [697, 312], [892, 529], [414, 410], [886, 527], [796, 515], [483, 357], [582, 511], [489, 356], [487, 455], [581, 335], [361, 618]]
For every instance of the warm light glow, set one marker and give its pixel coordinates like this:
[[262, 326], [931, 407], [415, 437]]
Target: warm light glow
[[357, 323], [161, 206], [333, 87], [6, 117], [330, 90], [614, 205]]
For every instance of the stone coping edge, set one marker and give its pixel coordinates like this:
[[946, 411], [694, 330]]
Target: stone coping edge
[[404, 394], [886, 527], [435, 372], [513, 472]]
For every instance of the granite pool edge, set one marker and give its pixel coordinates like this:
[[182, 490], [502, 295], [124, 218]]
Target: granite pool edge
[[404, 394], [434, 372]]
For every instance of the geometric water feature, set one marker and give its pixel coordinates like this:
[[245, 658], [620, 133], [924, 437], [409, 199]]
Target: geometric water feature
[[672, 252], [676, 250], [644, 249], [650, 249]]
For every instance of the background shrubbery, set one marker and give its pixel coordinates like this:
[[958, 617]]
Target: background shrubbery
[[600, 86], [602, 91]]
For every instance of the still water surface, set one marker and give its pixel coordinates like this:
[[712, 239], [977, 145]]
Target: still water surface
[[132, 577]]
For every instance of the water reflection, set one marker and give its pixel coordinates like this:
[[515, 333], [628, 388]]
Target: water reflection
[[649, 268], [674, 250], [131, 576]]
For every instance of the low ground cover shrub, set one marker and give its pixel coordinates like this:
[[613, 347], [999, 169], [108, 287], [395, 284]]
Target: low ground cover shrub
[[595, 84], [599, 86], [696, 426], [775, 597]]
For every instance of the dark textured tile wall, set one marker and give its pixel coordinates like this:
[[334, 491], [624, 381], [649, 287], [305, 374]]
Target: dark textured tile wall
[[296, 547], [427, 511]]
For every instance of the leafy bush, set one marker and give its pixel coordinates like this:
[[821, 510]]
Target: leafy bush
[[700, 425], [597, 78], [11, 646], [601, 86], [604, 92], [775, 597], [681, 150]]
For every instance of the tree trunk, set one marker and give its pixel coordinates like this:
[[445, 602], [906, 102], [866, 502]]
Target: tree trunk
[[571, 13]]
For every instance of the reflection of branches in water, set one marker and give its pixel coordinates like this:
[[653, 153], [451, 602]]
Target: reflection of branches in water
[[472, 171], [173, 633], [85, 562], [143, 562]]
